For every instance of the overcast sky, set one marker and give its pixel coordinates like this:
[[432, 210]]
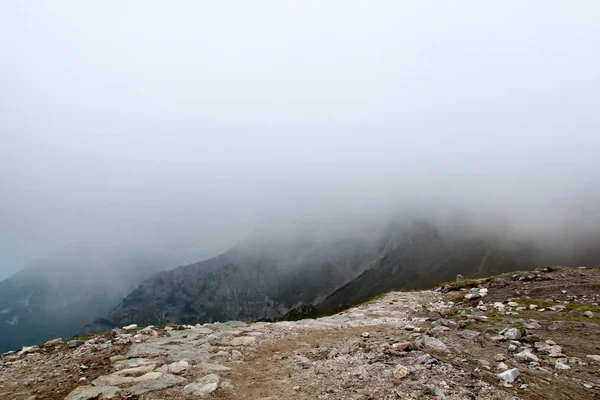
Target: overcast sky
[[204, 119]]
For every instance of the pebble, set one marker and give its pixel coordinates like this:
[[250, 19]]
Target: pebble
[[400, 371], [365, 334]]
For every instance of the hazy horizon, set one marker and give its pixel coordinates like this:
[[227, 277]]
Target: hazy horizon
[[201, 122]]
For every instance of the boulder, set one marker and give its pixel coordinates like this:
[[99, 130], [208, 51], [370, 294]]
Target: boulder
[[75, 343], [512, 334], [203, 386], [526, 356], [93, 392], [430, 342]]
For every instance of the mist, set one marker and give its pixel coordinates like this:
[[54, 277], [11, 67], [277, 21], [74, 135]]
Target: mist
[[205, 122]]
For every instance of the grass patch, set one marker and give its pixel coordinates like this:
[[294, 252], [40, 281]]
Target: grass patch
[[582, 307], [494, 317], [374, 299], [579, 307], [468, 283], [84, 337], [527, 301]]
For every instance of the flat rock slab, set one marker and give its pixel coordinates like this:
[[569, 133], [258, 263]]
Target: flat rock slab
[[201, 389], [112, 380], [170, 349], [93, 392], [132, 363], [136, 371], [165, 381]]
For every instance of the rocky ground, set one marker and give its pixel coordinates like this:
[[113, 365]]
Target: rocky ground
[[524, 335]]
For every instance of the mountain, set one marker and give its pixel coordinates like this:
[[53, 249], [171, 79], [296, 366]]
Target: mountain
[[258, 278], [267, 278], [421, 257], [57, 294]]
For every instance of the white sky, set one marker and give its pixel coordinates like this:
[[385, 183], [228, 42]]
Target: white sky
[[204, 119]]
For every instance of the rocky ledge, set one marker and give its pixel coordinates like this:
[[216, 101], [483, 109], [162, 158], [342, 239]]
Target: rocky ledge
[[529, 335]]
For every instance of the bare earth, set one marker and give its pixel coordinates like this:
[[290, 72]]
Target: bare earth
[[405, 345]]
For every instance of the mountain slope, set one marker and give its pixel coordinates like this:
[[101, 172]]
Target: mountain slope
[[57, 294], [256, 279], [422, 257], [268, 278]]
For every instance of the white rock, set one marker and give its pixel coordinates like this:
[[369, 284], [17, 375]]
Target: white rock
[[561, 366], [593, 357], [28, 349], [130, 327], [509, 376], [512, 334], [502, 366], [588, 314], [526, 355], [365, 334]]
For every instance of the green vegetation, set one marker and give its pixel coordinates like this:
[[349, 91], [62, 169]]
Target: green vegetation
[[373, 300], [527, 301], [470, 283], [84, 337], [580, 307]]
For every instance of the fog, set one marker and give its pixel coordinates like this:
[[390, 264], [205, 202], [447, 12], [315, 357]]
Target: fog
[[207, 121]]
